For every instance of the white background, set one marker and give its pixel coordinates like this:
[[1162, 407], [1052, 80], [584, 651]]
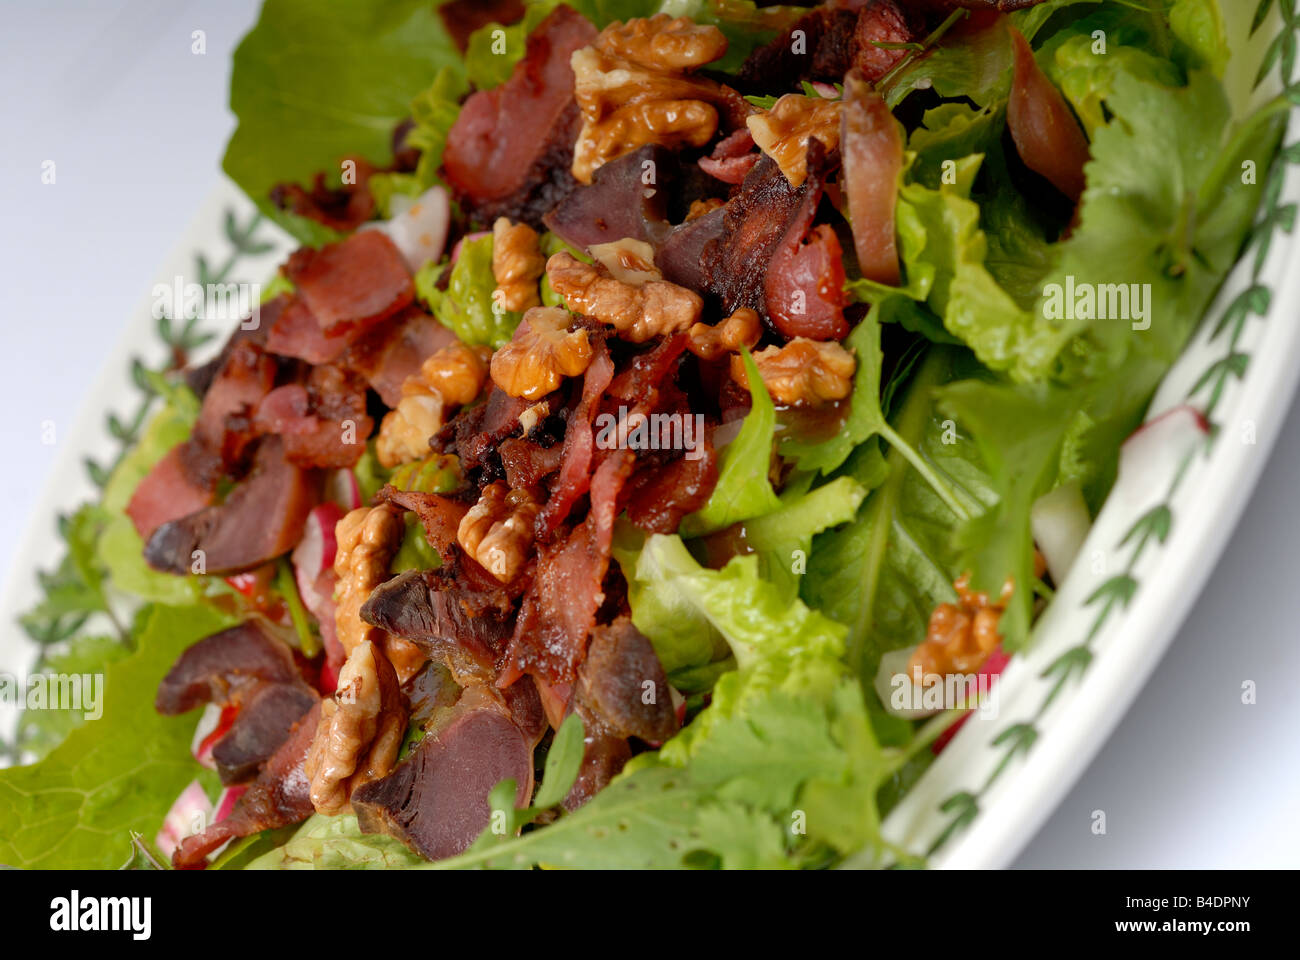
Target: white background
[[136, 124]]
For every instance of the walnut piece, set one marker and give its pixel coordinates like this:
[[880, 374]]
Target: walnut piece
[[450, 377], [784, 131], [705, 206], [498, 530], [960, 636], [741, 329], [632, 89], [517, 265], [803, 373], [628, 261], [541, 354], [367, 538], [655, 308], [360, 730]]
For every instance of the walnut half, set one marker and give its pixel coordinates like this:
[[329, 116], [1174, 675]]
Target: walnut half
[[498, 530], [741, 329], [633, 89], [542, 352], [517, 265], [803, 373], [450, 377], [638, 313], [368, 537], [784, 131], [360, 731]]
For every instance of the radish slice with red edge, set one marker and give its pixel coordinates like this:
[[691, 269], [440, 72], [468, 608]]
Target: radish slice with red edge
[[189, 814], [992, 668], [342, 488]]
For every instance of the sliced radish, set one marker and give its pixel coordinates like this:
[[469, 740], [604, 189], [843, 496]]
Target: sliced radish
[[1060, 523], [342, 488], [226, 802], [679, 704], [420, 231], [825, 90], [1147, 454], [190, 814], [214, 724], [992, 667], [894, 685], [316, 550]]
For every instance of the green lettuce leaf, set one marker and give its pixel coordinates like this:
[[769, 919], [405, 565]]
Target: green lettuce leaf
[[466, 307], [309, 89], [433, 113], [743, 489], [120, 773]]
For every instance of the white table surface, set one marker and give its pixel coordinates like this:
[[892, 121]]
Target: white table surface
[[136, 123]]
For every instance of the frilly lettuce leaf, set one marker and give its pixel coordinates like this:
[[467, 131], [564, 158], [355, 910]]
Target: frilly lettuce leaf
[[433, 113], [466, 307]]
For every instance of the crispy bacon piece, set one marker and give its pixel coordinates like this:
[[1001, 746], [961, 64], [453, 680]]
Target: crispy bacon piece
[[559, 610], [834, 40], [342, 208], [681, 256], [393, 350], [323, 422], [732, 158], [354, 283], [222, 435], [805, 281], [511, 148], [295, 332], [262, 518], [1048, 138], [475, 433], [280, 795], [166, 493], [463, 17], [527, 463], [439, 515], [660, 495], [579, 446]]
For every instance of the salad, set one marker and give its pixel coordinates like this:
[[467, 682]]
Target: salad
[[666, 402]]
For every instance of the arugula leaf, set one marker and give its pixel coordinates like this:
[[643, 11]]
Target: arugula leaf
[[743, 489], [113, 775], [309, 89]]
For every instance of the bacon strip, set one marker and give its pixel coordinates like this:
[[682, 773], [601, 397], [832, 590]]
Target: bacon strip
[[511, 148], [579, 445]]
